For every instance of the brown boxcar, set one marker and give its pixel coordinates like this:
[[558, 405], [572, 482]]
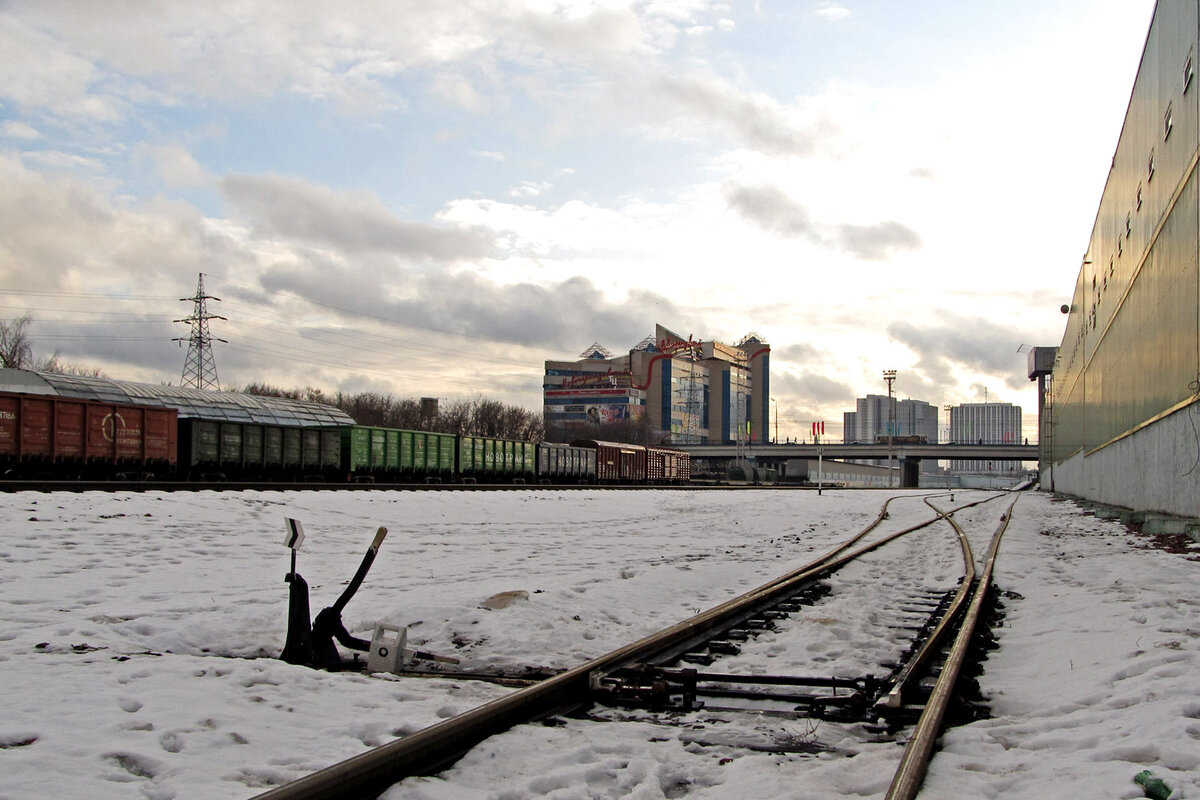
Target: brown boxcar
[[664, 465], [45, 432], [617, 462]]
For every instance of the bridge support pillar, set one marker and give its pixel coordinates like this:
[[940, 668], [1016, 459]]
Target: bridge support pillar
[[910, 473]]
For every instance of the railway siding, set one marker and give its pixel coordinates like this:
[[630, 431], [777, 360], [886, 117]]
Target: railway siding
[[625, 676]]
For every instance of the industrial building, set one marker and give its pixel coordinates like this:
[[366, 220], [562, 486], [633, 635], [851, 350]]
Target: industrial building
[[1121, 408], [686, 391]]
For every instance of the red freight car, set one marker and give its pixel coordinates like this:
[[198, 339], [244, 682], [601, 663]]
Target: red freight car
[[42, 431], [664, 465], [616, 462]]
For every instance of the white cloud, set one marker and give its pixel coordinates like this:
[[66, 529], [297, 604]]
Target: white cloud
[[57, 160], [19, 130], [531, 189], [832, 11], [349, 222], [177, 168]]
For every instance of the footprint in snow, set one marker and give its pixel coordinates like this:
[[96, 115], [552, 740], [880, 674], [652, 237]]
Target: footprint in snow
[[136, 765]]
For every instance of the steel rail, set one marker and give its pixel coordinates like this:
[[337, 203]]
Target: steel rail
[[765, 596], [894, 699], [915, 761], [430, 749]]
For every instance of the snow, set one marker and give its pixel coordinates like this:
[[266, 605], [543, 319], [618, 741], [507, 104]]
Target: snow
[[139, 635]]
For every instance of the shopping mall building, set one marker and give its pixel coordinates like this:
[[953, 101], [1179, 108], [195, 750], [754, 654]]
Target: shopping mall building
[[695, 392]]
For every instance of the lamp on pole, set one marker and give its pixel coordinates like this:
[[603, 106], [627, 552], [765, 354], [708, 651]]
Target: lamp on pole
[[776, 402], [949, 438], [889, 375]]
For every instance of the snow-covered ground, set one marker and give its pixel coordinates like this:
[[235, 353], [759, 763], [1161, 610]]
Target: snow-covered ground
[[139, 635]]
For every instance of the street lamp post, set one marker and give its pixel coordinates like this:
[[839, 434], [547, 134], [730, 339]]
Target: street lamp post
[[950, 439], [776, 402], [889, 375]]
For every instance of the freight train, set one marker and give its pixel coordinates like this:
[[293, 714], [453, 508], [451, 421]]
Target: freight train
[[51, 437]]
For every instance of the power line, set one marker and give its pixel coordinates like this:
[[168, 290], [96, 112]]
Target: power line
[[450, 352], [33, 293], [391, 341], [386, 320], [375, 369]]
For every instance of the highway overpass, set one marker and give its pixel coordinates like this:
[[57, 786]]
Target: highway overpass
[[907, 455]]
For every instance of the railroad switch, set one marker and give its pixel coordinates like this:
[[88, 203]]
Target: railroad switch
[[646, 686], [312, 644], [848, 708]]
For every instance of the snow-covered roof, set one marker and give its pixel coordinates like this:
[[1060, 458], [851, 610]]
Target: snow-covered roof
[[191, 403]]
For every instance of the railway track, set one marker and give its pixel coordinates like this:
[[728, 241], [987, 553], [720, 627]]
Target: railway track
[[677, 670]]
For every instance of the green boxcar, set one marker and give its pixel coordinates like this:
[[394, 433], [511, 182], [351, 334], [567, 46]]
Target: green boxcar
[[310, 448], [252, 445], [356, 449], [396, 454], [273, 447], [291, 448], [483, 458], [206, 442], [250, 451], [529, 459], [406, 451], [420, 453], [367, 450], [231, 444], [331, 451], [469, 456], [446, 454]]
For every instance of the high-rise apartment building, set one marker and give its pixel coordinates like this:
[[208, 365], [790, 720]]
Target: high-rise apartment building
[[985, 423], [872, 419]]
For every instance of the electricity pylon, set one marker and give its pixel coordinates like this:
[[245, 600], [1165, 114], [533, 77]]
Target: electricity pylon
[[199, 369]]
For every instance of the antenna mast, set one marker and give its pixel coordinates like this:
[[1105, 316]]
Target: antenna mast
[[199, 369]]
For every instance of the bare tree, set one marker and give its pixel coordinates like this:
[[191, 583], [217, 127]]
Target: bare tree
[[474, 417], [15, 350], [309, 393], [455, 418], [55, 364]]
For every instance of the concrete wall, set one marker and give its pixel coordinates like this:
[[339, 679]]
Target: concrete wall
[[1153, 469]]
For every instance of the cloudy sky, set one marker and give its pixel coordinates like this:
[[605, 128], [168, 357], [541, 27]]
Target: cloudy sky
[[433, 198]]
